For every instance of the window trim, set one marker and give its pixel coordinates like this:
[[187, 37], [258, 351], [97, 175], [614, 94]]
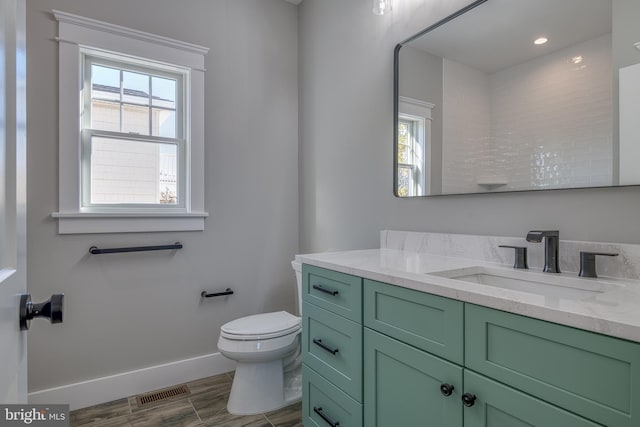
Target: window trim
[[77, 33]]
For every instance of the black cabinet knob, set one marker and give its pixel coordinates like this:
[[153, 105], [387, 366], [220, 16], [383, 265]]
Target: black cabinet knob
[[469, 399], [446, 389]]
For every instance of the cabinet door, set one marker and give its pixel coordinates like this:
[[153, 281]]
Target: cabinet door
[[497, 405], [402, 386], [592, 375]]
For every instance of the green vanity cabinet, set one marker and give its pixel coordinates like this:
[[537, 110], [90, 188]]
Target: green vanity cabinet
[[416, 359], [415, 343]]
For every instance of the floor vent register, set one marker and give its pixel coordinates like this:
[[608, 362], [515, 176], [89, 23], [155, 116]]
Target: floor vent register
[[162, 395]]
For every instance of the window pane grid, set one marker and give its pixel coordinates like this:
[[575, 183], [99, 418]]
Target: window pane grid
[[136, 97], [132, 148]]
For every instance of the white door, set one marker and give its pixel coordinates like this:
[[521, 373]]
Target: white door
[[13, 278]]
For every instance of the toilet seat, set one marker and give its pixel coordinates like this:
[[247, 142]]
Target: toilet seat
[[261, 326]]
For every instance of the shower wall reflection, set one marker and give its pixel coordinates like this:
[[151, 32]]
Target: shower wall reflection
[[518, 95]]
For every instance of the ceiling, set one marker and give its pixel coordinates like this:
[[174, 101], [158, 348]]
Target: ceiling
[[500, 33], [294, 1]]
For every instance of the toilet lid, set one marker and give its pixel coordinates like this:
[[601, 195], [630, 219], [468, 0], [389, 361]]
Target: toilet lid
[[261, 326]]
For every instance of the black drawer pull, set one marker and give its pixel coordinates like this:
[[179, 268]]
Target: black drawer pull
[[318, 410], [446, 389], [469, 399], [326, 291], [319, 343]]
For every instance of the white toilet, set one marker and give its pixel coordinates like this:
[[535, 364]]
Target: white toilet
[[266, 348]]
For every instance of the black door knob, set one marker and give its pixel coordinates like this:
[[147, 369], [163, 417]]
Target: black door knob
[[51, 309], [446, 389], [468, 399]]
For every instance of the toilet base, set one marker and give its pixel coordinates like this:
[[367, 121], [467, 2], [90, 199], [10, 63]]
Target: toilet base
[[263, 387]]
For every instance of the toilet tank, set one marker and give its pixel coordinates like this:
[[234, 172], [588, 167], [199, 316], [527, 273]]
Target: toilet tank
[[297, 267]]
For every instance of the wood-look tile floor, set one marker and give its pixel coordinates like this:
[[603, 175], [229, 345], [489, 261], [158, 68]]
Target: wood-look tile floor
[[206, 406]]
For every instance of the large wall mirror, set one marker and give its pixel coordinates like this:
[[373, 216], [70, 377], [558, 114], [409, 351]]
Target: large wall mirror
[[519, 95]]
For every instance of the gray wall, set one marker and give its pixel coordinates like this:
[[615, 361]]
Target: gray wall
[[125, 312], [346, 69]]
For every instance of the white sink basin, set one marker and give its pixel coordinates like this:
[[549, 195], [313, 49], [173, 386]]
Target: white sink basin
[[546, 284]]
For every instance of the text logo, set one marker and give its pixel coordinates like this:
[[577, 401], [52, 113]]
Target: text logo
[[34, 415]]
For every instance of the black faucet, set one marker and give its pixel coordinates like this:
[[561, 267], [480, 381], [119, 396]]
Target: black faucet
[[551, 259]]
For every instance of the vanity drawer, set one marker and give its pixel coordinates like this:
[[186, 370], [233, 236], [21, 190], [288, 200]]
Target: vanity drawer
[[337, 292], [332, 346], [321, 399], [428, 322], [592, 375]]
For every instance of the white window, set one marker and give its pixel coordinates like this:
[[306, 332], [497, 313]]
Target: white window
[[133, 142], [414, 147], [132, 138]]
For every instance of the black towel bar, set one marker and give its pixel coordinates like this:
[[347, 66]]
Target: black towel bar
[[94, 250], [228, 291]]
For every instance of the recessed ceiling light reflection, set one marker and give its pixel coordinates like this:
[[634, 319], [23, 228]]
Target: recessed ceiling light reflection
[[577, 59], [540, 40]]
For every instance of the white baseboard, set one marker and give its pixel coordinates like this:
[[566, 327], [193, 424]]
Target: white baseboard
[[106, 389]]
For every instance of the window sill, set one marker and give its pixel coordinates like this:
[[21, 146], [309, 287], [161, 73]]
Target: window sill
[[139, 222]]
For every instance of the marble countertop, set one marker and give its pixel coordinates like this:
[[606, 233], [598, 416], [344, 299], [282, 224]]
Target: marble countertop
[[615, 311]]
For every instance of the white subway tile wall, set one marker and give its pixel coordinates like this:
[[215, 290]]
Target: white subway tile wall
[[546, 123]]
